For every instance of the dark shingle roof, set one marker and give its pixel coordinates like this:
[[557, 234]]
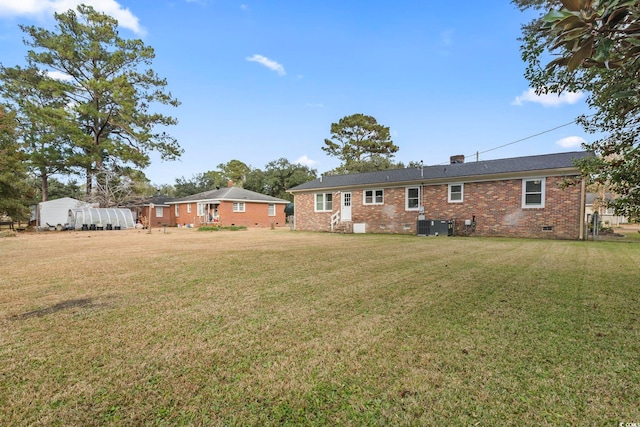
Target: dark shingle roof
[[158, 200], [231, 194], [471, 170]]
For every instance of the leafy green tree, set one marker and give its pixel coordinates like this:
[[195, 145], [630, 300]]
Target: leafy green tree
[[596, 45], [255, 181], [185, 187], [43, 120], [234, 170], [360, 143], [374, 163], [59, 189], [110, 88], [280, 175], [213, 179], [15, 192], [199, 183]]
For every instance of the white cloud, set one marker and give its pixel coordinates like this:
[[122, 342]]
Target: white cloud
[[570, 142], [549, 99], [312, 105], [305, 161], [59, 75], [45, 8], [270, 64]]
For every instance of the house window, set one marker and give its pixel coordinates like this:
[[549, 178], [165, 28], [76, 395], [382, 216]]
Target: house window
[[238, 206], [159, 211], [456, 193], [373, 197], [188, 207], [412, 198], [202, 209], [272, 209], [533, 193], [324, 202], [177, 210]]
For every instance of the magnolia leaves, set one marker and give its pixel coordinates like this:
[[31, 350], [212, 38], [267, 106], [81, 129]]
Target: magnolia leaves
[[592, 33], [576, 5]]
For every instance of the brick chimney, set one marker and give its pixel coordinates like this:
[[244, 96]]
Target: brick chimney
[[458, 158]]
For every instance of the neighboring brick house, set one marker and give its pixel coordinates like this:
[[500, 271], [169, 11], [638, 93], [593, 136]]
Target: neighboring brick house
[[228, 206], [523, 196], [154, 209]]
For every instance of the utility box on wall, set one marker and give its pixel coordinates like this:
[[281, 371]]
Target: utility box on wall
[[422, 227], [435, 227], [359, 227]]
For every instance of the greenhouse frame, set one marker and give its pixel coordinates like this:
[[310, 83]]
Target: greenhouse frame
[[100, 219]]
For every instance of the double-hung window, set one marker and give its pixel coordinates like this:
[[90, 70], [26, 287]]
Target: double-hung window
[[177, 210], [373, 197], [324, 202], [533, 192], [456, 193], [272, 209], [412, 198], [238, 206]]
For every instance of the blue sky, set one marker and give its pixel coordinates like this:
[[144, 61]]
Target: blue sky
[[259, 80]]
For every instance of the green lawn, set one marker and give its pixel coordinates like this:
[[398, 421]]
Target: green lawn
[[272, 327]]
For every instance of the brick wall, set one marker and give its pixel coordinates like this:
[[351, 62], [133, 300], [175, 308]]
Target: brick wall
[[185, 218], [390, 217], [304, 216], [156, 220], [255, 215], [496, 205]]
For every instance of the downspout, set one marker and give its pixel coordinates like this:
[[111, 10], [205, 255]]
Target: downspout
[[583, 202]]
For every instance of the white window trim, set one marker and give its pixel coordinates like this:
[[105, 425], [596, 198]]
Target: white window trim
[[373, 196], [159, 211], [542, 191], [324, 202], [177, 210], [461, 184], [188, 207], [271, 209], [406, 199], [239, 207]]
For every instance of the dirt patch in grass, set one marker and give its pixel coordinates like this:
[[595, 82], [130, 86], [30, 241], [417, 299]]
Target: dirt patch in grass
[[55, 308]]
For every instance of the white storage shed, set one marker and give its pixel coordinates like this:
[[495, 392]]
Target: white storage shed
[[54, 213]]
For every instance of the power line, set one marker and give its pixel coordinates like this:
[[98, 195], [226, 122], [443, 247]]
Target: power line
[[525, 138], [477, 153]]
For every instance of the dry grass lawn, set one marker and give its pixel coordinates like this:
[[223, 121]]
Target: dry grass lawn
[[273, 327]]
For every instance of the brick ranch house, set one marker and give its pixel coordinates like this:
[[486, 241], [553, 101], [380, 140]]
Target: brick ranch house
[[154, 209], [519, 197], [228, 206]]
